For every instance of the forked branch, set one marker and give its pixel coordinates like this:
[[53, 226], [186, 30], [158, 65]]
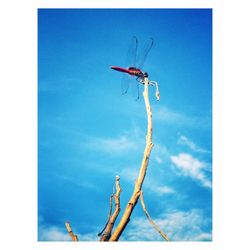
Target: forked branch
[[112, 218]]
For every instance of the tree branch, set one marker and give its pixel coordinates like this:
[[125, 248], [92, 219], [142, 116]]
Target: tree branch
[[151, 221], [111, 220], [138, 184], [72, 235], [109, 215]]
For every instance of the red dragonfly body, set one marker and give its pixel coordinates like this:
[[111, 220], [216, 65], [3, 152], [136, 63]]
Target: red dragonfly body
[[131, 71]]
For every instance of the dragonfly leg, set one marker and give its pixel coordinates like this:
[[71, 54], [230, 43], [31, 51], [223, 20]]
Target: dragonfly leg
[[140, 79]]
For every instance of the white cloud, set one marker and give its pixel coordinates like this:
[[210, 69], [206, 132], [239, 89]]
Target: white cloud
[[88, 237], [177, 225], [163, 190], [128, 141], [158, 159], [78, 181], [157, 186], [150, 183], [119, 144], [159, 153], [185, 141], [187, 163], [190, 166], [55, 233], [129, 174], [203, 237], [164, 114]]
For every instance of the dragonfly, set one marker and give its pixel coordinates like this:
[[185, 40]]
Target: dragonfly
[[134, 70]]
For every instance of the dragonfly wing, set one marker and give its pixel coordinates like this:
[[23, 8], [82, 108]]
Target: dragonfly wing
[[144, 53], [132, 53], [127, 80], [130, 85], [125, 83], [135, 89]]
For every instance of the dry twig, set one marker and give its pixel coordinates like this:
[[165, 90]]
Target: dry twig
[[109, 215], [151, 221], [72, 235], [111, 219]]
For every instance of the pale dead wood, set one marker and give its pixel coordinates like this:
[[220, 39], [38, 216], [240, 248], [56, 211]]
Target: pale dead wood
[[138, 184], [112, 218], [150, 220], [72, 235], [109, 214]]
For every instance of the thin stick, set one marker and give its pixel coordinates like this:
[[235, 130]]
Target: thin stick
[[107, 233], [109, 214], [138, 184], [151, 221], [72, 235]]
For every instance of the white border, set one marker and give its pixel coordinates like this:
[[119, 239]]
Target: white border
[[18, 103], [124, 4]]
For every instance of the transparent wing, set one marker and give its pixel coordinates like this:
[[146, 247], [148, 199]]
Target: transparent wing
[[135, 89], [125, 83], [132, 53], [130, 85], [144, 53], [127, 79]]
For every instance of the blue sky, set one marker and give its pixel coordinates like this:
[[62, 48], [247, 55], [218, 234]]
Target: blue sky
[[88, 132]]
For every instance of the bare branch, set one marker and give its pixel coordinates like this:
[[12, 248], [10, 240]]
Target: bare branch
[[109, 215], [72, 235], [150, 220], [138, 184], [111, 220]]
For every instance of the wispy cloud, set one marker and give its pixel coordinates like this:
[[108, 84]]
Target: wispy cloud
[[167, 115], [53, 233], [178, 225], [119, 144], [129, 174], [128, 141], [78, 181], [192, 167], [160, 153], [161, 190], [56, 233], [183, 140], [150, 184]]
